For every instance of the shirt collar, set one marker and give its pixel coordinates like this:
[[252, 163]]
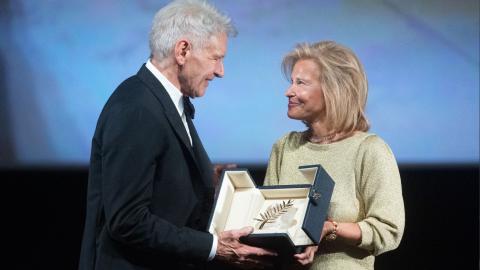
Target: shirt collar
[[172, 91]]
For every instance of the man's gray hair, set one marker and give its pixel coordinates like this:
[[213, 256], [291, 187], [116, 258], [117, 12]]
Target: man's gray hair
[[194, 20]]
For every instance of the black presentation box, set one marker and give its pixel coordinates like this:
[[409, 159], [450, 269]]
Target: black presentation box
[[284, 217]]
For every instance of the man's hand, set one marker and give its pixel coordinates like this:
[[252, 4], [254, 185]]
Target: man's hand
[[232, 251]]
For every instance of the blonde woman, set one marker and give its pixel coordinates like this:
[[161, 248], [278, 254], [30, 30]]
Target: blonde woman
[[328, 92]]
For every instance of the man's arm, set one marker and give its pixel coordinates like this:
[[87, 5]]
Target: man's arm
[[131, 140]]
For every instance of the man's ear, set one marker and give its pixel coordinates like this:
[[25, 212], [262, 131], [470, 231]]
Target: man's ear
[[182, 49]]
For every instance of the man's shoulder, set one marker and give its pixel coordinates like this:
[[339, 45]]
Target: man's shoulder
[[131, 91], [130, 86], [132, 95]]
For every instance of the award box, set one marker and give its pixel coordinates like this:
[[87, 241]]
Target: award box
[[285, 218]]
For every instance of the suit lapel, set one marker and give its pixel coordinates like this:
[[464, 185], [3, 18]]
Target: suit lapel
[[169, 108], [206, 167], [198, 153]]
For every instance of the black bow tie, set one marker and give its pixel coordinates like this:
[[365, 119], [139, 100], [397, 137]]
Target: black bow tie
[[188, 107]]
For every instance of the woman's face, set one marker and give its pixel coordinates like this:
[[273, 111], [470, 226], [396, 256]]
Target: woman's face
[[305, 95]]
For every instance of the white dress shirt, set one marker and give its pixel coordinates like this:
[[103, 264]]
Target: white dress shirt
[[173, 92], [177, 98]]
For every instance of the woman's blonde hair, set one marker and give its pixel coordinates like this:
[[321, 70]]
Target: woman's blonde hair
[[343, 81]]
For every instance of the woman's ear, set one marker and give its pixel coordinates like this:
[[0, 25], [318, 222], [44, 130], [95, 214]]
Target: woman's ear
[[182, 49]]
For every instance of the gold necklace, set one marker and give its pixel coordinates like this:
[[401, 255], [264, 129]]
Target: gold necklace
[[322, 139]]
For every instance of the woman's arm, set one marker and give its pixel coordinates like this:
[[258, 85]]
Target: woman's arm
[[380, 190], [346, 232]]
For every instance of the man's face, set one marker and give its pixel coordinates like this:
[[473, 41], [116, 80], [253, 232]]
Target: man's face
[[202, 66]]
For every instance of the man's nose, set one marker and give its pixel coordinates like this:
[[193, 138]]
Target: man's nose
[[219, 69]]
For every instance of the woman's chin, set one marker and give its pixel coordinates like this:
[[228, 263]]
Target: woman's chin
[[293, 116]]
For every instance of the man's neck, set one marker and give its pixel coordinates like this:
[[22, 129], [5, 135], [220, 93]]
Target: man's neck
[[168, 69]]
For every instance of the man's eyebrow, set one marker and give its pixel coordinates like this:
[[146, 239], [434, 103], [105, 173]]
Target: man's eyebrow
[[219, 55]]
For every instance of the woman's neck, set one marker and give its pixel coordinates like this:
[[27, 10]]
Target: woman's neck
[[320, 129], [320, 133]]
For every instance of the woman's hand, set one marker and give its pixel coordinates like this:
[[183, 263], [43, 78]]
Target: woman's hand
[[307, 256], [328, 228]]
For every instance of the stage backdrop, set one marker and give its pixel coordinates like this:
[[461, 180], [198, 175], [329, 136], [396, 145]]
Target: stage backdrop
[[60, 61]]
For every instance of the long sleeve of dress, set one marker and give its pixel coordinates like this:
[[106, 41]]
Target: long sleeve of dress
[[380, 189]]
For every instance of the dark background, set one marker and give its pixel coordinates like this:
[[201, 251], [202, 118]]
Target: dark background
[[44, 211]]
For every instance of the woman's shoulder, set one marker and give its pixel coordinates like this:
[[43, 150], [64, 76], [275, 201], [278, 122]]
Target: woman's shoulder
[[371, 142], [292, 138], [289, 141], [368, 138]]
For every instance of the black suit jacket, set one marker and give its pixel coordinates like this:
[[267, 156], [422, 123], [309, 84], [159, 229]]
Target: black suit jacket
[[149, 191]]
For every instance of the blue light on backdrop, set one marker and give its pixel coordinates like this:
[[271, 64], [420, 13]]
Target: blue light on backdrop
[[60, 60]]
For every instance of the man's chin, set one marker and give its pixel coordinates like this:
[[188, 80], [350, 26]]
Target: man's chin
[[199, 93]]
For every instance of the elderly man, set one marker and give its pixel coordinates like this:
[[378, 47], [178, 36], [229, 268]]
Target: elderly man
[[150, 187]]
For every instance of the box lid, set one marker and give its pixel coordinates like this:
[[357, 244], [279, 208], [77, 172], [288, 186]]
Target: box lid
[[238, 193], [319, 200]]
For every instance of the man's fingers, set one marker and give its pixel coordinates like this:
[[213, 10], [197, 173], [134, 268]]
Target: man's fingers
[[236, 234], [244, 231], [261, 252]]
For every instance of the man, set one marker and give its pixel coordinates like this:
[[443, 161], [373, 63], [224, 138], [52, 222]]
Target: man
[[150, 186]]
